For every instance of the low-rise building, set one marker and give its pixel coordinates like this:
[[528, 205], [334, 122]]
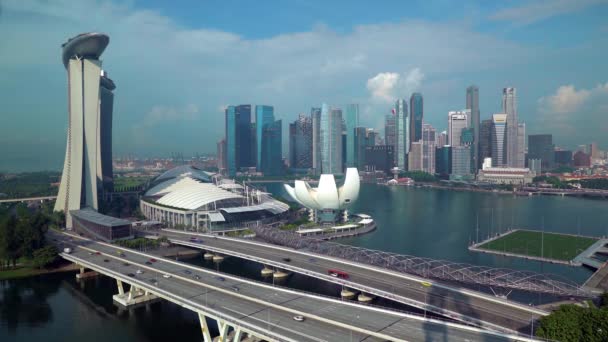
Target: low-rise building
[[505, 175]]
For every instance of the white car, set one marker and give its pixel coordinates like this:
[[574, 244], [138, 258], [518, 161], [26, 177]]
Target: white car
[[139, 271], [298, 318], [67, 250], [166, 276]]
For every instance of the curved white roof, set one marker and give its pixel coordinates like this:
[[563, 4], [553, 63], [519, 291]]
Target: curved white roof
[[327, 195], [188, 193], [185, 170]]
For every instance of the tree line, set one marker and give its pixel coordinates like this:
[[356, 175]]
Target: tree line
[[22, 236]]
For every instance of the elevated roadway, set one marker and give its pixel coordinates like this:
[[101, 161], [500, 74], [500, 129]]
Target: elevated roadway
[[461, 304], [257, 308]]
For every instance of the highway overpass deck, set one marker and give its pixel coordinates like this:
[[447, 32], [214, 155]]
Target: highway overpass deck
[[262, 308], [458, 303]]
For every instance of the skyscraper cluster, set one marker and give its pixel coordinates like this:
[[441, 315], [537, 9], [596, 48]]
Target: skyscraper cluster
[[331, 139]]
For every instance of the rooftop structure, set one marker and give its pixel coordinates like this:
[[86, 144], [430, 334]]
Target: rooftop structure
[[101, 226], [189, 197]]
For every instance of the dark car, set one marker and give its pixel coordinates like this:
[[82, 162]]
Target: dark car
[[148, 263], [187, 272], [126, 264], [220, 278], [287, 259], [97, 253], [131, 275], [106, 260]]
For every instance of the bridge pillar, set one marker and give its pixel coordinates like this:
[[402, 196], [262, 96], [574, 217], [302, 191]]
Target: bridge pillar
[[223, 329], [204, 327], [121, 290], [238, 334]]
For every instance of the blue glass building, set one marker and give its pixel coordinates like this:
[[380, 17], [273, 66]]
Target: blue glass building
[[231, 141], [416, 113], [351, 121], [272, 149], [264, 116], [243, 136]]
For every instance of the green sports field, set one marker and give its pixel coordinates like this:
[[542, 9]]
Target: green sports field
[[528, 243]]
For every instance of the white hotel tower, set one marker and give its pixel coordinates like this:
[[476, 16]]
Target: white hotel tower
[[88, 153]]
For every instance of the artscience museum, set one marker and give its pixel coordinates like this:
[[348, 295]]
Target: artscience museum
[[327, 203]]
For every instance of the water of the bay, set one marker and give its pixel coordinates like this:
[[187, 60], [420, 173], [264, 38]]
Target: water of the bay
[[423, 222]]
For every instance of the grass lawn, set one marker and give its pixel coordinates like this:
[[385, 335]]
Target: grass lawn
[[556, 246], [19, 272], [124, 182]]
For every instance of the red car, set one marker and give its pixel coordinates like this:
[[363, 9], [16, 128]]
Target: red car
[[338, 274], [153, 260]]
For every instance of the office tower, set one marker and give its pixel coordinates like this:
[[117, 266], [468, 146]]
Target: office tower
[[563, 158], [244, 136], [521, 145], [540, 146], [415, 156], [499, 139], [442, 139], [509, 107], [429, 138], [473, 105], [594, 151], [467, 138], [379, 158], [457, 120], [535, 165], [389, 130], [231, 141], [331, 140], [315, 115], [363, 137], [402, 128], [443, 161], [485, 141], [581, 159], [351, 121], [106, 107], [417, 112], [264, 116], [461, 162], [89, 144], [300, 143], [272, 149], [221, 155]]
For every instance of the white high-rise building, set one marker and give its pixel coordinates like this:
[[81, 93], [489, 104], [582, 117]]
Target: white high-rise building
[[402, 141], [87, 151], [457, 120], [331, 140], [429, 138], [509, 107]]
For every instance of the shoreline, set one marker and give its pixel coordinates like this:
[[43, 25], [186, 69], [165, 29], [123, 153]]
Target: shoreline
[[27, 271]]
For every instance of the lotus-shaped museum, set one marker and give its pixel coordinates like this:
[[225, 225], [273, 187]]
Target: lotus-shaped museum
[[327, 198]]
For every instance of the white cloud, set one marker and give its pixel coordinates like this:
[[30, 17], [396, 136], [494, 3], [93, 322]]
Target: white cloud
[[388, 86], [163, 114], [541, 10], [568, 99]]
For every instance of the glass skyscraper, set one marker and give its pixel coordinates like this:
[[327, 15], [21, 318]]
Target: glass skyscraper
[[300, 144], [417, 112], [331, 140], [473, 106], [540, 146], [315, 116], [351, 121], [272, 149], [243, 136], [264, 115], [402, 138], [499, 139], [231, 141]]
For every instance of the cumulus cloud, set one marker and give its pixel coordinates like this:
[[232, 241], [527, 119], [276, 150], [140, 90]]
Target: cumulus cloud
[[388, 86], [567, 99]]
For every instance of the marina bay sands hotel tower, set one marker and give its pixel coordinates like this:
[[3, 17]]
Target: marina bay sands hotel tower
[[87, 169]]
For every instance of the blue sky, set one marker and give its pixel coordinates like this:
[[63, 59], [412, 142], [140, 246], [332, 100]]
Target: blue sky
[[178, 63]]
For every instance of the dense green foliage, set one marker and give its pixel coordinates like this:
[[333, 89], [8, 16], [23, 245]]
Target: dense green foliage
[[534, 243], [599, 183], [22, 235], [563, 169], [30, 184], [575, 323], [419, 176], [139, 243], [129, 183], [554, 181]]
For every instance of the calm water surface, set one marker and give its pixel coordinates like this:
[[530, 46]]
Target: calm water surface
[[422, 222]]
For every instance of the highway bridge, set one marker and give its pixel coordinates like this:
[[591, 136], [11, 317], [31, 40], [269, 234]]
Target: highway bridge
[[458, 303], [28, 199], [245, 307]]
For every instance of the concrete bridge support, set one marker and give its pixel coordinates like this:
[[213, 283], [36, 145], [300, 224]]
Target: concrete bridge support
[[133, 297], [83, 274]]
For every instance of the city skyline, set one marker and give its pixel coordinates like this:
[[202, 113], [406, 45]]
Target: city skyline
[[161, 117]]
